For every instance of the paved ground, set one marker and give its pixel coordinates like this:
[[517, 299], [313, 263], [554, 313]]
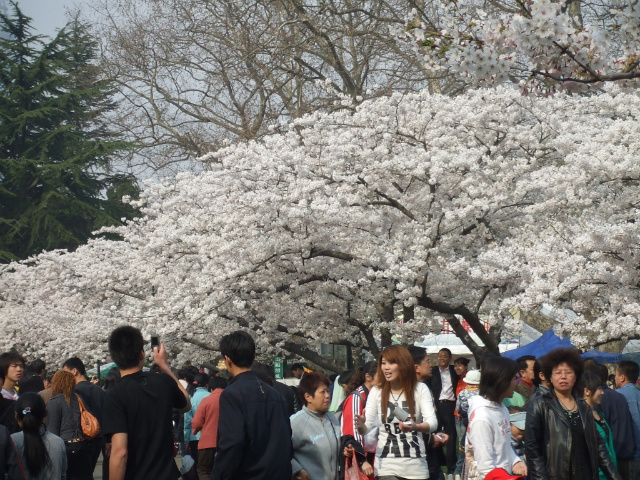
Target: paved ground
[[97, 473]]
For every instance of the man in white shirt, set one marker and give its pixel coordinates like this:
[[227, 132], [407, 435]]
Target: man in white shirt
[[443, 384]]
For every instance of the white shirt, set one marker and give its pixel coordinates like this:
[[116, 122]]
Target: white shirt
[[447, 392], [10, 396]]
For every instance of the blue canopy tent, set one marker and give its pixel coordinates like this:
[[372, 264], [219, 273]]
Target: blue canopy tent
[[549, 340]]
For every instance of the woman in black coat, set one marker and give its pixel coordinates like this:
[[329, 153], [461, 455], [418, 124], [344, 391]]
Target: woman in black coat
[[561, 441]]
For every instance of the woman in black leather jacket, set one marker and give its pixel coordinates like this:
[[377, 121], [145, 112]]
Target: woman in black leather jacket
[[561, 441]]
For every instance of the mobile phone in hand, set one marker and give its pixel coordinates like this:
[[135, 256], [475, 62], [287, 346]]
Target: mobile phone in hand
[[155, 341]]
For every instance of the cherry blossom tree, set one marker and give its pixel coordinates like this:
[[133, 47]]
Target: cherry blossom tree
[[362, 224], [541, 44]]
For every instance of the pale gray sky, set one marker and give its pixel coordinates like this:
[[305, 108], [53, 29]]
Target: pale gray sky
[[48, 15]]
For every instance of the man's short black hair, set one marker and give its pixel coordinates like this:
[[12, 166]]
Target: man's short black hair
[[8, 358], [418, 353], [37, 367], [297, 366], [537, 370], [263, 372], [1, 374], [75, 362], [603, 373], [446, 350], [522, 362], [629, 369], [125, 345], [239, 347]]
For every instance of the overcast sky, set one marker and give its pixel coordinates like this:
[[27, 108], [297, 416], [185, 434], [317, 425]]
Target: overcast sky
[[48, 15]]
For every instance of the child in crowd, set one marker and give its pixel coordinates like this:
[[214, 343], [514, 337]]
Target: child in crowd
[[517, 432]]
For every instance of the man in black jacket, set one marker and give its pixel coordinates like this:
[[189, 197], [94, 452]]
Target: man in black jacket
[[443, 382], [254, 433]]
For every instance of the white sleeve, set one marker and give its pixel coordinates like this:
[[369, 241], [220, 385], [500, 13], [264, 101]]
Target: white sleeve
[[480, 435], [372, 408], [427, 409]]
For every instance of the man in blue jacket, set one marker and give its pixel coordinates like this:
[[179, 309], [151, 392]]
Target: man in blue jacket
[[254, 433], [626, 378]]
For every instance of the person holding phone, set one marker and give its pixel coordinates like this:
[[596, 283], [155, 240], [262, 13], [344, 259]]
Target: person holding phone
[[405, 411]]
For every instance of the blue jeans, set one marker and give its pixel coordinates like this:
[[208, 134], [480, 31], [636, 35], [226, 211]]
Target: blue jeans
[[460, 446]]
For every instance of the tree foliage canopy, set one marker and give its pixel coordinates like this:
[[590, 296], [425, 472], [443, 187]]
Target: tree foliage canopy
[[56, 182], [359, 225]]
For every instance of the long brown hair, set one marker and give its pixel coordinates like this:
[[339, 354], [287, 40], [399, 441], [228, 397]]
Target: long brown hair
[[63, 382], [399, 355]]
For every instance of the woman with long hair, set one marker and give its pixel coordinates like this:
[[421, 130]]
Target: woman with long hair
[[591, 387], [42, 453], [560, 432], [488, 440], [64, 421], [405, 411], [198, 390]]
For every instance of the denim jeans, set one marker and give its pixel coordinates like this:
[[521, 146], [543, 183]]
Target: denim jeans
[[459, 446]]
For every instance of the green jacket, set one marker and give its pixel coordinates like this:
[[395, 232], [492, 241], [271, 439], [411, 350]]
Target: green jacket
[[605, 433]]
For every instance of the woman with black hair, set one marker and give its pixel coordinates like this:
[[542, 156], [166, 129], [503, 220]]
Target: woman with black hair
[[42, 453], [591, 387], [488, 441], [560, 431], [353, 406], [198, 389]]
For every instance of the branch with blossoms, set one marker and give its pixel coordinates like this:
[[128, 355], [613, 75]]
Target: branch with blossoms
[[544, 46]]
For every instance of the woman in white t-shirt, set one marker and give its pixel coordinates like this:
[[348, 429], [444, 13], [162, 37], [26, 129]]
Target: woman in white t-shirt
[[405, 411]]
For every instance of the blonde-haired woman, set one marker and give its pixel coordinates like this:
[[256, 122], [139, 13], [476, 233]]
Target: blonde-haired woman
[[64, 421], [405, 411]]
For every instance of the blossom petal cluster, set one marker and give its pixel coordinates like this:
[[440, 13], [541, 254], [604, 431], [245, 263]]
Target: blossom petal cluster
[[541, 45]]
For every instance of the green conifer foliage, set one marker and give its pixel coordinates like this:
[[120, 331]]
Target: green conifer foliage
[[56, 181]]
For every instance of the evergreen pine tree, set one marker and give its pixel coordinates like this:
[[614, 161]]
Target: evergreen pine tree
[[56, 180]]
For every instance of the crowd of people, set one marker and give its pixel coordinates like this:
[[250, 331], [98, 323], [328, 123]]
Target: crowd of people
[[395, 418]]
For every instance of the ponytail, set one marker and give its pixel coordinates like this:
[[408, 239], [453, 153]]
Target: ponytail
[[199, 380], [31, 410]]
